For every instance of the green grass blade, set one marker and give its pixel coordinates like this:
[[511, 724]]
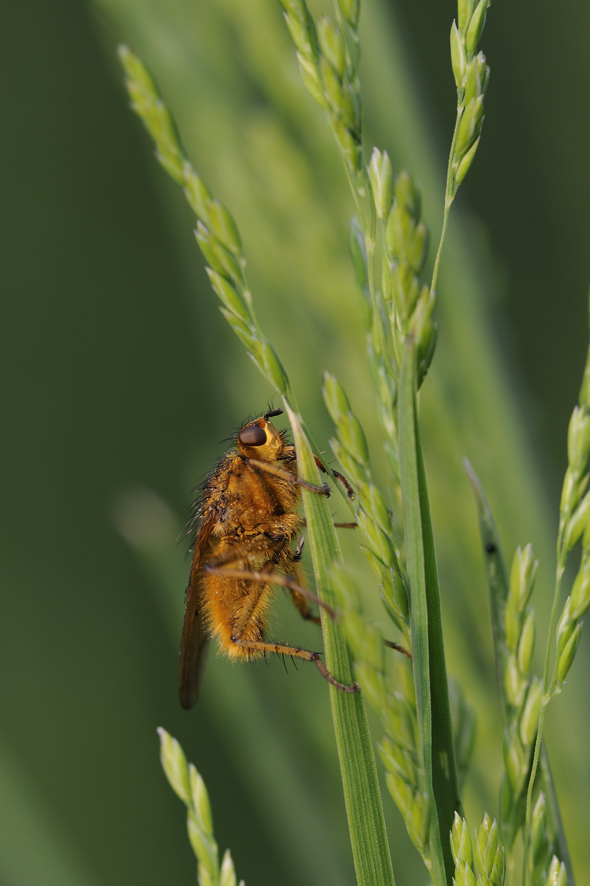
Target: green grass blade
[[497, 573], [355, 751], [554, 816], [430, 677]]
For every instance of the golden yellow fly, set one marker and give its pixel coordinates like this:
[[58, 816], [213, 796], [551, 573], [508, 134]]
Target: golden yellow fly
[[245, 526]]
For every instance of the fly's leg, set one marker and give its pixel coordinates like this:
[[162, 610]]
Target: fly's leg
[[319, 463], [338, 476], [302, 606], [239, 554], [339, 525], [294, 480], [296, 652], [301, 603], [273, 578], [398, 648], [248, 612], [298, 552], [231, 565], [265, 579], [345, 483], [288, 476]]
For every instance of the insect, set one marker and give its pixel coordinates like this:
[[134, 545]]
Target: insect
[[245, 526]]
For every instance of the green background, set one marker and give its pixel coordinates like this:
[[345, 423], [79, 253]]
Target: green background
[[120, 376]]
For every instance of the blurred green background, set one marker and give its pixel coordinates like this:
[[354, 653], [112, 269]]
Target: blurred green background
[[121, 379]]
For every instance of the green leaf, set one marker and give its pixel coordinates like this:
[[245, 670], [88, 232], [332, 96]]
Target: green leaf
[[430, 675], [497, 574], [357, 762], [554, 816]]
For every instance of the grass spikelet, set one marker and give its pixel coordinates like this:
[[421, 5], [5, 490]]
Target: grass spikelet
[[190, 787]]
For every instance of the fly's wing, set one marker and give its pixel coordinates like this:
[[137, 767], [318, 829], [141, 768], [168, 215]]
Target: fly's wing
[[194, 638]]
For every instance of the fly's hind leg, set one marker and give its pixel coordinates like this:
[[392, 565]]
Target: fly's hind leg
[[296, 652], [264, 579]]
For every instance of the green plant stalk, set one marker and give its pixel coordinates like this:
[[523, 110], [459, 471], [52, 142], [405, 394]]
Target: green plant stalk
[[362, 196], [366, 209], [449, 197], [365, 205], [430, 676], [362, 797]]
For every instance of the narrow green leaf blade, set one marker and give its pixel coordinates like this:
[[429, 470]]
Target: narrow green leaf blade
[[497, 574], [357, 761], [554, 816], [430, 677]]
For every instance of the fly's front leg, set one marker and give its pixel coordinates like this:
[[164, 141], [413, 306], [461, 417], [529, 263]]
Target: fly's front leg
[[287, 476]]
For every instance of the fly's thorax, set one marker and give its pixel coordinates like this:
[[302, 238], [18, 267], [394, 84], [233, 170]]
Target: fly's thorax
[[256, 501]]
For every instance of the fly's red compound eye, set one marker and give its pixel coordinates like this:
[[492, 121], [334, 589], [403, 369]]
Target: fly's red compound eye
[[253, 435]]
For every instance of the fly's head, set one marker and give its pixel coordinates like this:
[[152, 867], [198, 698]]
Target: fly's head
[[260, 439]]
